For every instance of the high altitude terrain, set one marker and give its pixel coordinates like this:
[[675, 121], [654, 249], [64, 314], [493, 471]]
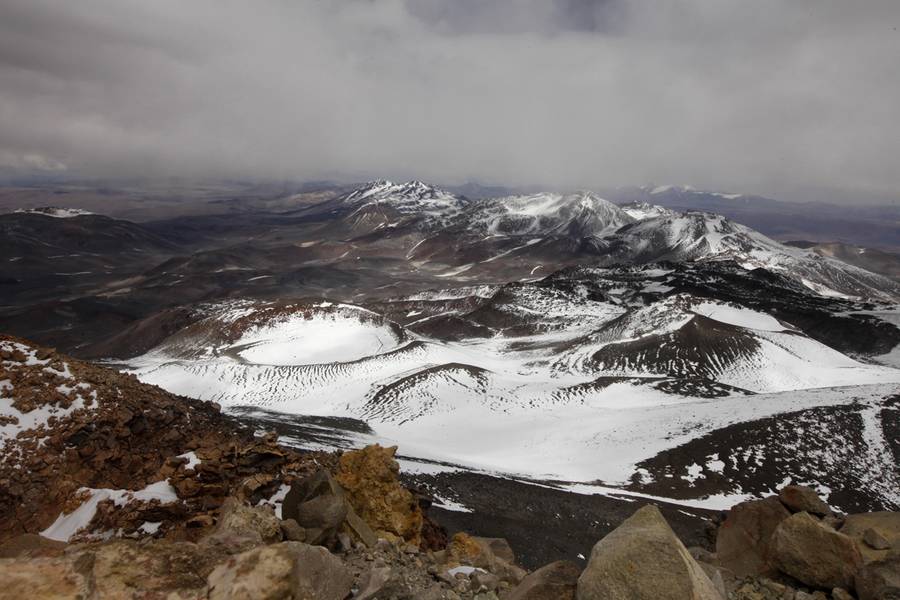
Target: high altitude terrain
[[557, 338]]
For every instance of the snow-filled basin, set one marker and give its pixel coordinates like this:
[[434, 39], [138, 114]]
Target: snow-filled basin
[[322, 338]]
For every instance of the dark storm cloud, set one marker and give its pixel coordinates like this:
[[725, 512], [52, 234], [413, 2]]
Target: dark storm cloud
[[765, 96]]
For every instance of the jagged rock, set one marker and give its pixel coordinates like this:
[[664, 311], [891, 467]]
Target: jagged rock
[[642, 559], [60, 577], [813, 553], [743, 539], [319, 504], [800, 498], [241, 527], [279, 571], [370, 477], [875, 540], [326, 512], [360, 528], [556, 581], [880, 579], [885, 524]]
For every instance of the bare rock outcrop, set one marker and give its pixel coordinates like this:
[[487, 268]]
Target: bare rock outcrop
[[370, 478]]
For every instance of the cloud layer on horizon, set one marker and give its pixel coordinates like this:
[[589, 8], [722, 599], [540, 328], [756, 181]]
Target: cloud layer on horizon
[[764, 97]]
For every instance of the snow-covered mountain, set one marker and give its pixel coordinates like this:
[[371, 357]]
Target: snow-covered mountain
[[692, 236], [578, 215], [644, 210], [412, 197]]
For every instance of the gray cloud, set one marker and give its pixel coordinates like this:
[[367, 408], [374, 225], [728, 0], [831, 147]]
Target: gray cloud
[[768, 96]]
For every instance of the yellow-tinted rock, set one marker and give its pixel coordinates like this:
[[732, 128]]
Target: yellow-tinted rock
[[370, 477]]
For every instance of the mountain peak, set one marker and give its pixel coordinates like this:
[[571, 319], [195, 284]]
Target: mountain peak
[[411, 196]]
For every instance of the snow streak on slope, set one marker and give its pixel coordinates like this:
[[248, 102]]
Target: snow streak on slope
[[56, 212]]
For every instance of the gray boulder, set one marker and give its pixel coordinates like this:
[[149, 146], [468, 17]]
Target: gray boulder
[[642, 559]]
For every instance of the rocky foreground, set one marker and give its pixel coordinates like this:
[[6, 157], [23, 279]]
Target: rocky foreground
[[110, 488]]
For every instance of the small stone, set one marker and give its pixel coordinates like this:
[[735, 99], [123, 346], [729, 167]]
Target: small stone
[[875, 540], [841, 594], [292, 531], [801, 498], [484, 582]]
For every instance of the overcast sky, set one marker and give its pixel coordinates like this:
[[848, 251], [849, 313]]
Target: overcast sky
[[782, 98]]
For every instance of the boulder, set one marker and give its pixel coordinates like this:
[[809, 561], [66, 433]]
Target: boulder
[[800, 498], [60, 577], [556, 581], [319, 504], [841, 594], [880, 579], [885, 524], [642, 559], [370, 477], [815, 554], [285, 570], [743, 539], [152, 568]]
